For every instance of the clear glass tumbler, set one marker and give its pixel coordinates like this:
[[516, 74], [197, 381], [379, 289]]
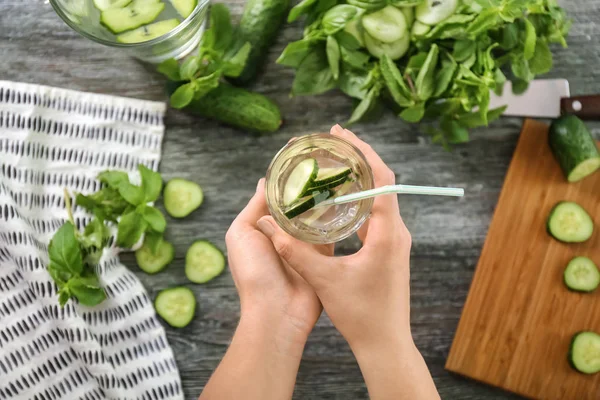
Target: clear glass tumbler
[[84, 17], [325, 224]]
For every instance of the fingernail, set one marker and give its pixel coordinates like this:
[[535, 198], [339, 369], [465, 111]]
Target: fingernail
[[261, 183], [337, 130], [266, 227]]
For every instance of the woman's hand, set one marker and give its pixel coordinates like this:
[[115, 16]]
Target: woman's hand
[[366, 295]]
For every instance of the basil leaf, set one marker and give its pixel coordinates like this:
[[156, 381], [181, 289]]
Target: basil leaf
[[189, 67], [324, 5], [220, 24], [355, 59], [519, 86], [130, 229], [170, 69], [313, 75], [337, 17], [391, 76], [154, 218], [445, 74], [63, 296], [486, 20], [87, 290], [113, 178], [151, 183], [107, 203], [463, 49], [364, 106], [333, 56], [294, 53], [182, 96], [352, 83], [301, 8], [425, 80], [484, 103], [530, 40], [58, 274], [94, 234], [133, 194], [413, 114], [541, 62], [454, 132], [64, 251], [474, 119], [153, 241], [509, 37], [370, 5], [520, 68], [234, 66]]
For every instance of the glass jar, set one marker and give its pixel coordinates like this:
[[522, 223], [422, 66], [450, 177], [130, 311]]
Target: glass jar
[[326, 224]]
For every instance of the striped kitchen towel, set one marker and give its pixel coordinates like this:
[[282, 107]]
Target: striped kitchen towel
[[51, 139]]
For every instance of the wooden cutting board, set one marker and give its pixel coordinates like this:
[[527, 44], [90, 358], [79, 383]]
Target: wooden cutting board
[[519, 318]]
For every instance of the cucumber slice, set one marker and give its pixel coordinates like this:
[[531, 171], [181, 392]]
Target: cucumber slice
[[132, 16], [328, 175], [420, 29], [325, 186], [203, 262], [432, 12], [355, 29], [176, 306], [148, 32], [581, 275], [316, 214], [574, 148], [584, 352], [387, 25], [184, 7], [570, 223], [409, 15], [305, 204], [106, 4], [152, 262], [300, 179], [395, 50], [181, 197]]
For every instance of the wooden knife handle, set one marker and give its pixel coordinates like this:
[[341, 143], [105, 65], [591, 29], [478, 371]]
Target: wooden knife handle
[[585, 107]]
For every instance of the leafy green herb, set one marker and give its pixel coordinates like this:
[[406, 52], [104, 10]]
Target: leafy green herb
[[313, 75], [333, 56]]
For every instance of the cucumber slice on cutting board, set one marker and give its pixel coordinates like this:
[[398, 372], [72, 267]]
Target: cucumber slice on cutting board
[[181, 197], [582, 275], [203, 262], [132, 16], [176, 306], [387, 25], [305, 204], [570, 223], [152, 262], [584, 352], [106, 4], [574, 148], [148, 32], [184, 7], [300, 180]]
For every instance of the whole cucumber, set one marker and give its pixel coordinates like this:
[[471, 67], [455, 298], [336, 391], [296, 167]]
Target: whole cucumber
[[259, 25], [236, 107]]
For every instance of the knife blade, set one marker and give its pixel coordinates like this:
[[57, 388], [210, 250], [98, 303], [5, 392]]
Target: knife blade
[[546, 98]]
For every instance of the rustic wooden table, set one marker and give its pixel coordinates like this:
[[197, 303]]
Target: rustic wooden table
[[37, 47]]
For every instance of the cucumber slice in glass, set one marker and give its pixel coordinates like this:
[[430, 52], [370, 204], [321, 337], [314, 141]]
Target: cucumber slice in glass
[[300, 179], [395, 50], [570, 223], [203, 262], [387, 25], [432, 12], [106, 4], [327, 175], [176, 306], [305, 204], [584, 352], [420, 29], [148, 32], [582, 275], [181, 197], [152, 262], [184, 7], [131, 16]]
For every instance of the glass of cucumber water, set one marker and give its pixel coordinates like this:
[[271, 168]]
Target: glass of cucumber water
[[312, 170], [151, 30]]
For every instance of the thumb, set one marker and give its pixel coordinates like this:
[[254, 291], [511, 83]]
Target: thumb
[[313, 266]]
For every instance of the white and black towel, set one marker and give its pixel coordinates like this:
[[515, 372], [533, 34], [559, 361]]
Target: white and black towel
[[52, 139]]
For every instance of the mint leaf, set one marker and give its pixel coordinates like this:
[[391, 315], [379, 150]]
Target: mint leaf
[[414, 114], [234, 66], [154, 218], [87, 290], [530, 40], [486, 20], [294, 53], [333, 56], [336, 18], [94, 234], [313, 75], [453, 131], [63, 296], [131, 193], [205, 84], [130, 229], [352, 83], [64, 251], [189, 67], [182, 96], [541, 62], [113, 178], [425, 84], [151, 183], [444, 76], [58, 274], [391, 76], [301, 8], [355, 58], [106, 204], [348, 41], [220, 23], [170, 69], [364, 106], [474, 120], [463, 49]]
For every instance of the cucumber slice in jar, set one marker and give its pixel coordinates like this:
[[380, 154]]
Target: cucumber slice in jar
[[307, 203], [387, 25], [148, 32], [181, 197], [420, 29], [395, 50], [582, 275], [203, 262], [184, 7], [106, 4], [584, 352], [300, 179], [176, 306], [152, 262], [131, 16], [432, 12], [570, 223]]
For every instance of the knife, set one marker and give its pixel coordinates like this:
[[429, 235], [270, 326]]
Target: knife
[[546, 98]]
